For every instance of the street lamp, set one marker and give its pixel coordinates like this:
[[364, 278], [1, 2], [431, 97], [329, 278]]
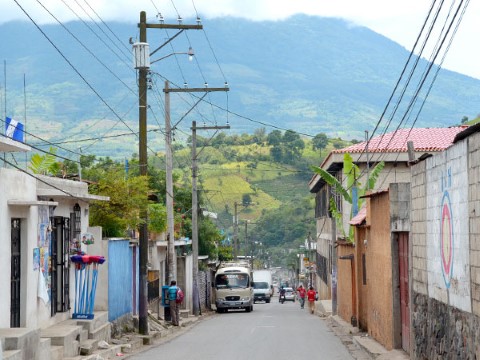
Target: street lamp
[[190, 54]]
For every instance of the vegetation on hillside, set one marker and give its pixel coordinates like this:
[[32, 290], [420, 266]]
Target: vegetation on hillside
[[260, 178]]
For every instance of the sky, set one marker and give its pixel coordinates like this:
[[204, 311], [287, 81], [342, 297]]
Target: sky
[[399, 20]]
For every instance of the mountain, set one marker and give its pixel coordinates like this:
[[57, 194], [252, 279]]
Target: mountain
[[309, 74]]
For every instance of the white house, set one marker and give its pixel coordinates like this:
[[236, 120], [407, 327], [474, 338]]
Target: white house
[[41, 220]]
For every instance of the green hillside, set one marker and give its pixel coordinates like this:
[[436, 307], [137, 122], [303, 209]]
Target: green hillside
[[305, 73]]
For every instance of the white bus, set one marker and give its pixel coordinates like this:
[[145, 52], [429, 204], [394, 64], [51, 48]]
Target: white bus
[[233, 287]]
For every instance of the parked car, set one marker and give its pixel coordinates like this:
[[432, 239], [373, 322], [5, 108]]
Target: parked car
[[289, 294]]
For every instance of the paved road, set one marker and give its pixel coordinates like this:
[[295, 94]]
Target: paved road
[[272, 331]]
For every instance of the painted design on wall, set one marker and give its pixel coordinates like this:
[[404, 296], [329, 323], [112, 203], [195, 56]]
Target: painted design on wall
[[446, 235], [43, 243], [448, 260], [36, 259]]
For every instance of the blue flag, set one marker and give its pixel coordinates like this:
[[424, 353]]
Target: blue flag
[[14, 129]]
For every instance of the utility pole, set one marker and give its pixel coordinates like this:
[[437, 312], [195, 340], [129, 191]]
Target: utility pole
[[195, 295], [235, 232], [171, 258], [168, 131], [142, 152], [142, 51], [246, 240]]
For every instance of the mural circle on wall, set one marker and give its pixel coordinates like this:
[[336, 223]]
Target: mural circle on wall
[[446, 239]]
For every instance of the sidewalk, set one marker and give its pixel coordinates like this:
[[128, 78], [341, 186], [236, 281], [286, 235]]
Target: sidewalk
[[370, 347]]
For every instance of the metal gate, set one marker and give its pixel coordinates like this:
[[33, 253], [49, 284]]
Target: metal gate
[[15, 274], [404, 297], [60, 286]]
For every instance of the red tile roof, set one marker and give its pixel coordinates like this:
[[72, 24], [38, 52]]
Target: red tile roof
[[429, 139], [360, 217]]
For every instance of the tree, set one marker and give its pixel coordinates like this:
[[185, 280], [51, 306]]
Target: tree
[[127, 199], [351, 173], [259, 135], [320, 142], [290, 136], [246, 200], [209, 237], [276, 153], [157, 218], [274, 138]]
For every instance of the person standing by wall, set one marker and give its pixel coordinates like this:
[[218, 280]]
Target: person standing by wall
[[301, 295], [172, 297], [311, 294]]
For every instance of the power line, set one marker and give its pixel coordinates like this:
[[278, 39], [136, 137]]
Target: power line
[[96, 35], [108, 27], [73, 67]]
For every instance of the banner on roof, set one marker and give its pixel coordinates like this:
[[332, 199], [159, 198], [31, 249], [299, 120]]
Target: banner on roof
[[14, 129]]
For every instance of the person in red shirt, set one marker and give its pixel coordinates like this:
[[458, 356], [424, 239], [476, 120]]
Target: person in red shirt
[[301, 295], [311, 299]]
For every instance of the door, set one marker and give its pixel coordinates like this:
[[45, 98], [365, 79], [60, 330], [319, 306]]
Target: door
[[15, 274], [60, 286], [404, 296]]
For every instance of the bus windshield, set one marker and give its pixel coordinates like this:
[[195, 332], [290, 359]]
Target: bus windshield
[[231, 281]]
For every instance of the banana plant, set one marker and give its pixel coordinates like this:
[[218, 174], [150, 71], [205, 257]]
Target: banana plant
[[45, 164], [352, 192]]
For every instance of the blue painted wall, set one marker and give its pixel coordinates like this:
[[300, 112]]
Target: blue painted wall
[[120, 273]]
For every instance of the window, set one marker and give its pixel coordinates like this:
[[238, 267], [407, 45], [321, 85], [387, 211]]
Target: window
[[321, 203]]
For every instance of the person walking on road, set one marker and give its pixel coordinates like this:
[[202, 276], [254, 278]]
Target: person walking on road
[[301, 295], [311, 294], [172, 297]]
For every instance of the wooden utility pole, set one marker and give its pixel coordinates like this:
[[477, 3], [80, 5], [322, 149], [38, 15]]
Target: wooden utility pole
[[168, 131], [235, 232], [143, 162], [195, 295]]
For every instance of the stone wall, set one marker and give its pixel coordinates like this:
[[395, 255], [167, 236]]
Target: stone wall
[[443, 332]]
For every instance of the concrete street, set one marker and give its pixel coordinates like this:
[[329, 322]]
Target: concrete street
[[272, 331]]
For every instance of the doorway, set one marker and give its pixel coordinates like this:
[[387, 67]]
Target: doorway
[[404, 296], [15, 274], [60, 285]]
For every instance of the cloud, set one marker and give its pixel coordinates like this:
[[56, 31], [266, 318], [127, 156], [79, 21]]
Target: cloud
[[398, 20]]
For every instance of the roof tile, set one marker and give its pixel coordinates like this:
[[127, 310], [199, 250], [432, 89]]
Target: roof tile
[[424, 139]]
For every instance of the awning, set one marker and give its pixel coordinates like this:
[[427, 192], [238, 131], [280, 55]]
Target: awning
[[31, 203], [55, 193], [360, 217], [10, 145], [177, 243]]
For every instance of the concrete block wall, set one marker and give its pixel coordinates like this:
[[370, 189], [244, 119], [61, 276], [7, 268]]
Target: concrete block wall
[[474, 211], [440, 330], [419, 229]]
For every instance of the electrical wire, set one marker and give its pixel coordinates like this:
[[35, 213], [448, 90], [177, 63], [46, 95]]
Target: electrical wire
[[97, 36], [87, 49]]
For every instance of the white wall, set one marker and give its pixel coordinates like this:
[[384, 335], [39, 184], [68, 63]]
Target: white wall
[[16, 185], [11, 182]]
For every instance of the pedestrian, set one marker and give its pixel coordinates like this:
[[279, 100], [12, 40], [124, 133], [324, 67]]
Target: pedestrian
[[301, 295], [172, 297], [311, 294]]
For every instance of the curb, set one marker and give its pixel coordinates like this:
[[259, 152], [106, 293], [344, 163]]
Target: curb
[[368, 344]]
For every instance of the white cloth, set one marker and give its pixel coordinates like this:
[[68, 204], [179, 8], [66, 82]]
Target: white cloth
[[42, 291], [11, 128]]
